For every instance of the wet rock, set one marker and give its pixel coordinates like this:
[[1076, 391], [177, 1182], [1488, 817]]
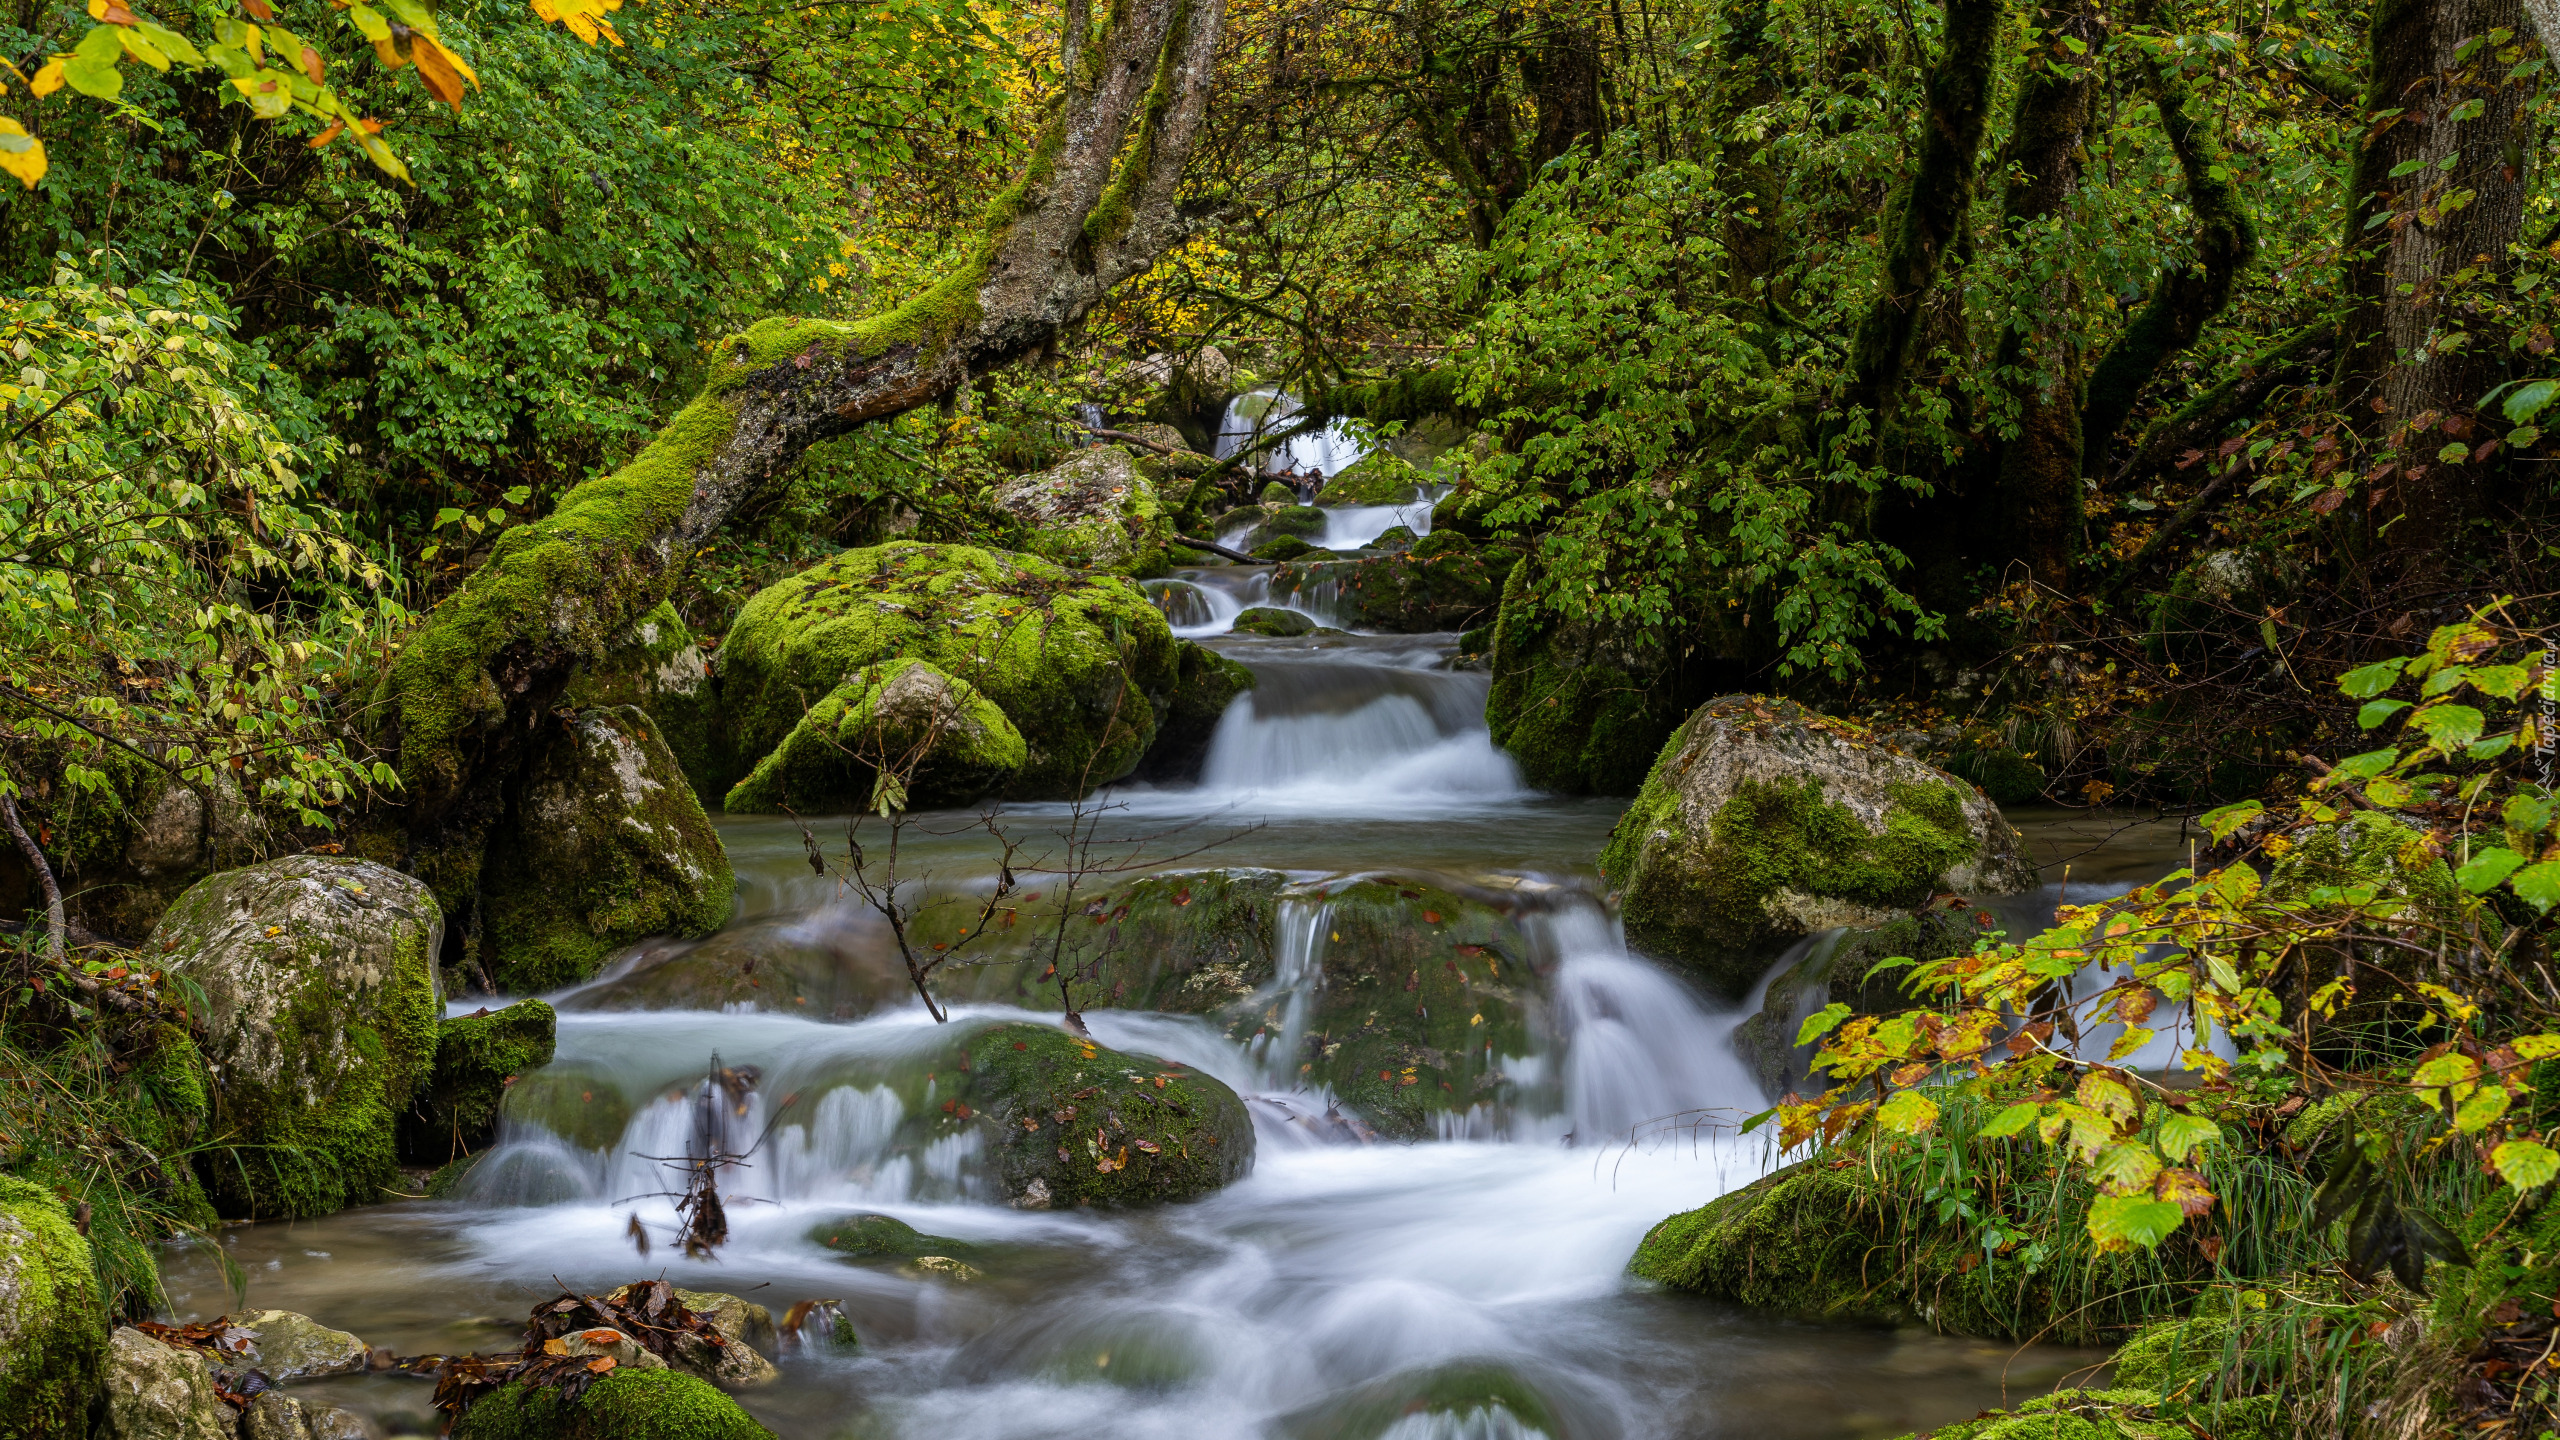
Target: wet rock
[[1097, 511], [1764, 822], [1067, 1123], [53, 1343], [320, 1024], [1474, 1399], [584, 1109], [1584, 707], [293, 1347], [883, 1237], [625, 1352], [1265, 620], [1394, 537], [748, 1327], [831, 965], [477, 1057], [1304, 521], [156, 1392], [1189, 942], [1276, 493], [628, 1404], [1077, 663], [1377, 478], [607, 844], [660, 667], [1424, 590], [274, 1415], [1205, 682], [946, 743]]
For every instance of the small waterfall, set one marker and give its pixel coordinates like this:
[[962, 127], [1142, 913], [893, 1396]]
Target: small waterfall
[[1258, 413], [1298, 972], [1356, 527], [1358, 738], [1194, 609], [1639, 1047]]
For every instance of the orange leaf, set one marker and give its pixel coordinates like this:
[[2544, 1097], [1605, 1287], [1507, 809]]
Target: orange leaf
[[258, 9], [555, 1346], [436, 68], [336, 128], [311, 64], [601, 1364], [602, 1337]]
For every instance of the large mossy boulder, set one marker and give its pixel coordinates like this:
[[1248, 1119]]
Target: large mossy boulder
[[1098, 510], [1068, 1124], [628, 1404], [1763, 822], [1582, 706], [1077, 663], [606, 843], [478, 1056], [939, 740], [322, 1001], [53, 1332], [661, 667], [1444, 582]]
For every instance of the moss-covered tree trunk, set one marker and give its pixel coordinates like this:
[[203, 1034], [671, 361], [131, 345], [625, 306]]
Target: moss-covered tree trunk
[[1094, 204], [1930, 209], [2447, 122], [2186, 296], [2039, 468]]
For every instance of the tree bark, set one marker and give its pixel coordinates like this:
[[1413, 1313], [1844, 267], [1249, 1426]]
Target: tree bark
[[2039, 469], [1094, 204]]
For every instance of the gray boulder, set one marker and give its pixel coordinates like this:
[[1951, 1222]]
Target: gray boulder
[[162, 1392], [322, 1001], [296, 1347]]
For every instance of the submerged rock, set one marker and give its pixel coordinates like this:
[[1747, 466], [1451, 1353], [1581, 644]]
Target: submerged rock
[[1283, 548], [53, 1336], [154, 1392], [607, 845], [882, 1237], [274, 1415], [1096, 511], [1070, 1124], [1481, 1400], [1265, 620], [909, 718], [292, 1347], [1763, 822], [477, 1057], [1076, 663], [322, 1000], [1304, 521], [633, 1403]]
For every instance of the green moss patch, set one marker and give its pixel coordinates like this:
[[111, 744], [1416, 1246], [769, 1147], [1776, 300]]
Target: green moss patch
[[951, 744], [477, 1058], [625, 1405], [1069, 1124], [53, 1332]]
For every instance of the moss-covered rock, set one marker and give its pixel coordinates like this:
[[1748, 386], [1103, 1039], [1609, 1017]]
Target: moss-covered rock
[[883, 1237], [154, 1391], [1205, 683], [606, 844], [629, 1404], [1077, 663], [1377, 478], [1267, 620], [477, 1057], [1099, 510], [1304, 521], [2124, 1413], [1419, 591], [906, 717], [322, 1003], [1276, 494], [785, 964], [660, 666], [1763, 822], [1394, 537], [1469, 1398], [1283, 548], [53, 1333], [1584, 708], [1069, 1124]]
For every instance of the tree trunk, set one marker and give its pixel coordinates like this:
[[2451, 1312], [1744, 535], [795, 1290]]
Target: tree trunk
[[1925, 218], [1094, 204], [2039, 469], [2462, 207]]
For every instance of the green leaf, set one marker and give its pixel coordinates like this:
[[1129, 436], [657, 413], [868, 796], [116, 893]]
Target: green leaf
[[2484, 1109], [2453, 453], [2452, 1069], [2181, 1134], [2372, 680], [2374, 712], [2525, 1163], [2449, 727], [1822, 1022], [2012, 1120], [1908, 1113], [2528, 814], [172, 44], [2538, 885], [2364, 766], [369, 22], [2482, 872], [2229, 818], [2119, 1222], [2530, 399], [103, 42], [97, 79]]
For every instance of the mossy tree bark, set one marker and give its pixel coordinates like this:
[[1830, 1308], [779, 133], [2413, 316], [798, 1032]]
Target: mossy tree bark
[[2039, 467], [1929, 212], [1467, 111], [1095, 204], [2186, 296], [2447, 121]]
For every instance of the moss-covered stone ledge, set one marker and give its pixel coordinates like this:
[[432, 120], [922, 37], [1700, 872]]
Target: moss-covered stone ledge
[[1763, 821], [53, 1332]]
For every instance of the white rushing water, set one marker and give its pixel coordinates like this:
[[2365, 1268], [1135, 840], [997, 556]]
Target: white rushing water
[[1258, 413]]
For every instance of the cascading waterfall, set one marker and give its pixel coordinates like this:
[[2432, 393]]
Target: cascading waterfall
[[1354, 737], [1257, 413]]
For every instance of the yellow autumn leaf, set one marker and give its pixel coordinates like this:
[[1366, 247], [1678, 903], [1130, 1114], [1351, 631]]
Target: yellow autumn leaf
[[21, 154], [49, 78]]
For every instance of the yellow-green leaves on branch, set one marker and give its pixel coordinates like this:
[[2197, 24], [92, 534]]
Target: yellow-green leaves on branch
[[585, 18]]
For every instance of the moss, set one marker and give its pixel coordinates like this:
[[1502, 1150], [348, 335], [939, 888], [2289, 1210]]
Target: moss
[[2117, 1414], [1076, 663], [326, 1019], [1454, 1392], [1274, 493], [1070, 1124], [1283, 548], [477, 1057], [1304, 521], [952, 744], [1264, 620], [625, 1405], [1098, 510], [449, 1176], [1420, 591], [53, 1333], [582, 1107], [1394, 537], [1378, 478], [659, 666], [1582, 711], [870, 1237], [606, 844]]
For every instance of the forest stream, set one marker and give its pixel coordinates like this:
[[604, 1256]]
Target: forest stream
[[1338, 1277]]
